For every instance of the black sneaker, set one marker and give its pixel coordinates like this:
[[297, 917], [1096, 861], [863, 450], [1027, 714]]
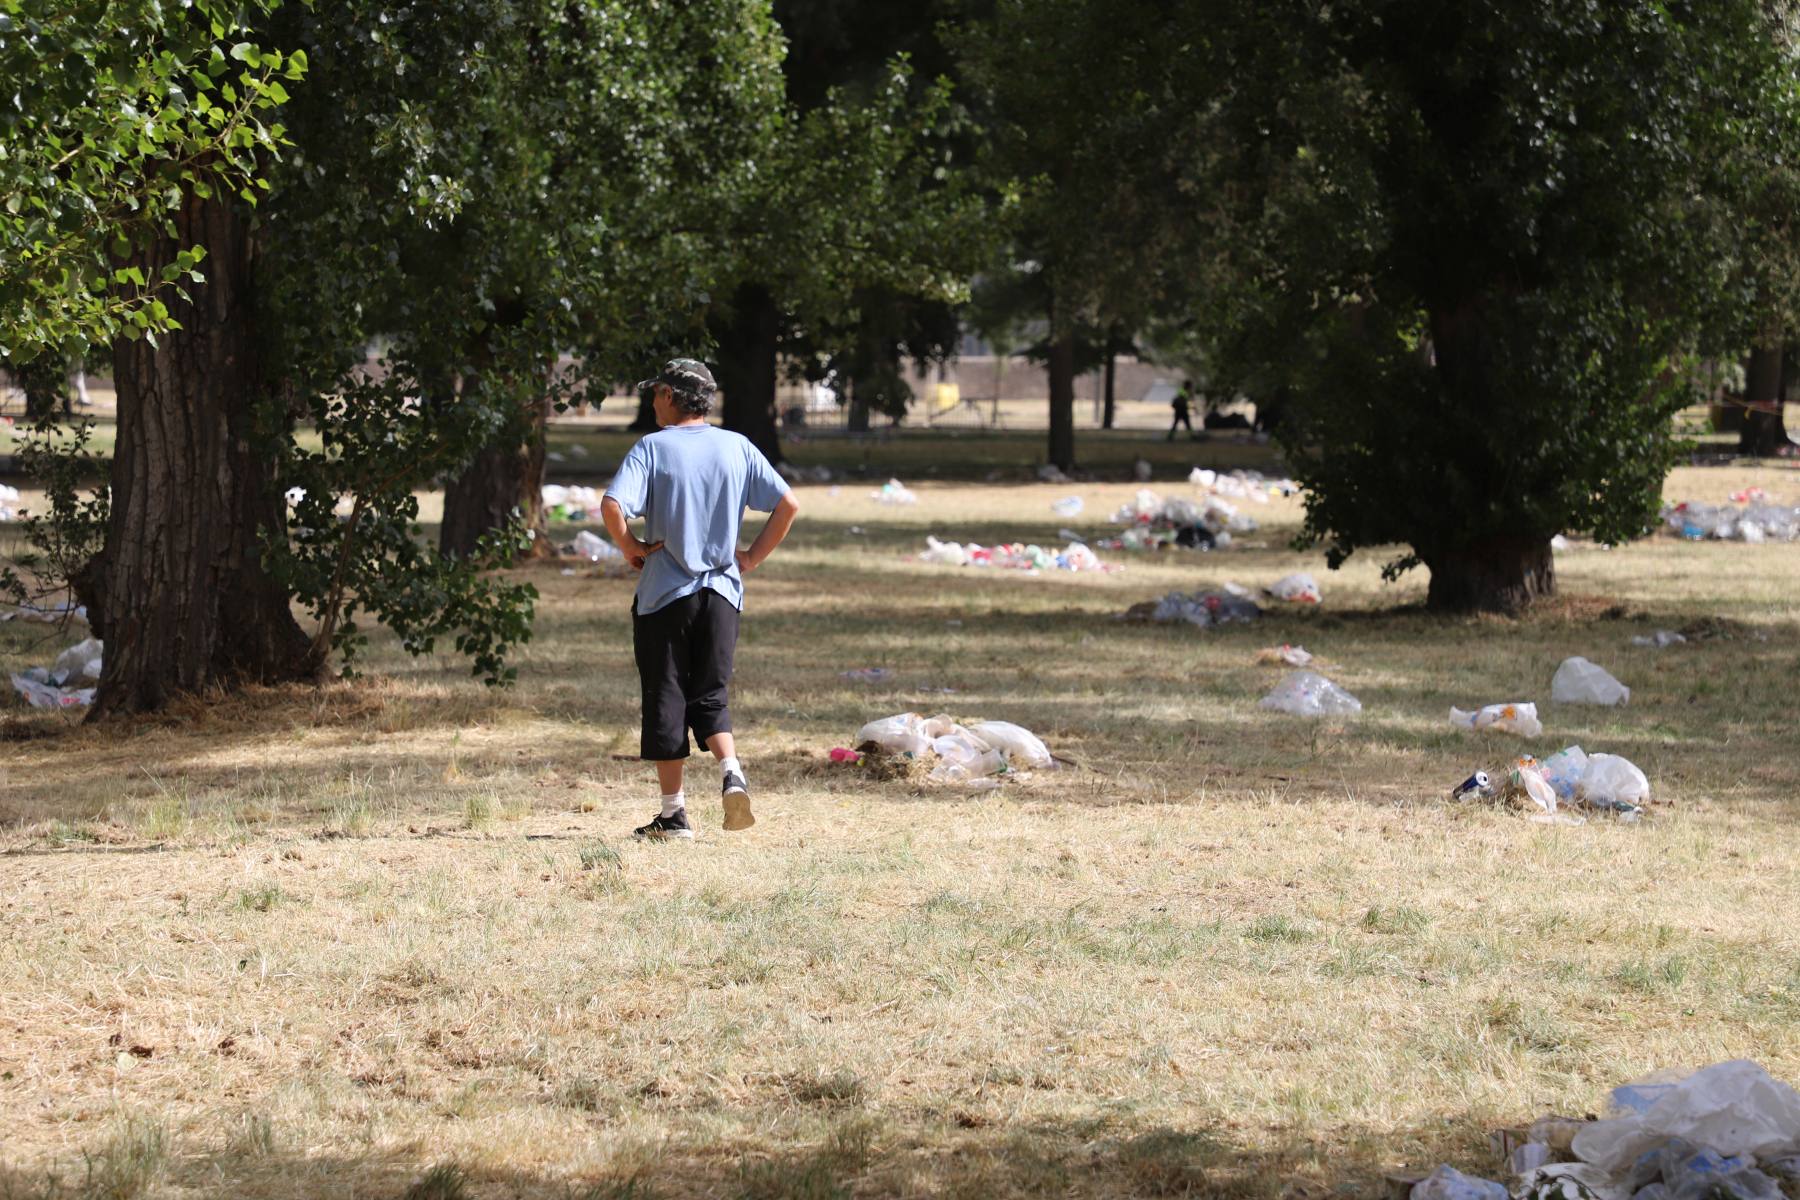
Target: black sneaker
[[737, 803], [667, 827]]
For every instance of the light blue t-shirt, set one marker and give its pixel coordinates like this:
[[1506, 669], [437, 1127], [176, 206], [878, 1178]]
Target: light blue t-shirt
[[691, 484]]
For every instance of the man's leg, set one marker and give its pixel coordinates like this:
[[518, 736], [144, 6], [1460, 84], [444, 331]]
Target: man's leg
[[658, 643], [712, 651]]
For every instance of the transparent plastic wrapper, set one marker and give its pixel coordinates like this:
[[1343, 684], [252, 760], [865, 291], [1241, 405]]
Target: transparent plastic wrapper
[[1563, 771], [1690, 1174], [1660, 639], [894, 492], [1519, 718], [1293, 656], [1732, 1107], [1527, 781], [1307, 694], [595, 548], [1298, 588], [1448, 1183], [1205, 608], [1068, 506], [1529, 1157], [41, 693], [1578, 681], [1610, 780], [960, 746], [80, 662], [1021, 747], [902, 734]]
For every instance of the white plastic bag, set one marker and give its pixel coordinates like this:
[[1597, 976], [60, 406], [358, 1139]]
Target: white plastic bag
[[1021, 747], [1299, 588], [80, 662], [1732, 1107], [1527, 778], [949, 553], [1579, 681], [40, 694], [894, 492], [1610, 780], [1068, 506], [1448, 1183], [595, 548], [1306, 694], [1519, 718], [1571, 1181], [902, 734]]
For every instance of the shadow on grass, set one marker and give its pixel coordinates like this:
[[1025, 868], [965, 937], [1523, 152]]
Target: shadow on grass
[[962, 1154]]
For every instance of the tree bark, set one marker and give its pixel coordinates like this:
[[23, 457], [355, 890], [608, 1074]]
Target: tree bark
[[503, 476], [858, 420], [747, 348], [1499, 574], [1062, 400], [179, 594], [1764, 432], [1109, 408], [645, 421]]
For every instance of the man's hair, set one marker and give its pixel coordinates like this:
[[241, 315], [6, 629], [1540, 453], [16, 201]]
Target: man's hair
[[695, 402]]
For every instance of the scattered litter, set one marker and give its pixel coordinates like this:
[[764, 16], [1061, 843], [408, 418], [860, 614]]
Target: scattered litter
[[1525, 782], [1299, 588], [1578, 681], [1247, 485], [1155, 523], [48, 614], [1015, 556], [1308, 694], [840, 754], [1201, 608], [1563, 771], [1068, 506], [894, 492], [1610, 781], [1292, 656], [1659, 639], [70, 682], [1478, 784], [570, 503], [568, 570], [867, 675], [1447, 1183], [1521, 719], [1051, 473], [594, 548], [973, 756], [1559, 543], [9, 501], [1605, 783], [1750, 518]]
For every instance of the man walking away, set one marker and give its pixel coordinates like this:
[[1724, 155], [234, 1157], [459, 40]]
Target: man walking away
[[691, 483], [1184, 398]]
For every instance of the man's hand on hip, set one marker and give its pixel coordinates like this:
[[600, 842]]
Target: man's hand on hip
[[637, 552]]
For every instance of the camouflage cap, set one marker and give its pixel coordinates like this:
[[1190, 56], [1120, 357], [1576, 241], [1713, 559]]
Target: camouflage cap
[[688, 376]]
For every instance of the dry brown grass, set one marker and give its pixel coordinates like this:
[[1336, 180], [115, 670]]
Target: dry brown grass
[[319, 943]]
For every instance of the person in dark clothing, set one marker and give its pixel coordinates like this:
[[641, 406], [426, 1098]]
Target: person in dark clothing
[[1182, 403]]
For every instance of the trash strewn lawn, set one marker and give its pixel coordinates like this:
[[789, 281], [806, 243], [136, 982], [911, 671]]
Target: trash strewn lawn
[[323, 943]]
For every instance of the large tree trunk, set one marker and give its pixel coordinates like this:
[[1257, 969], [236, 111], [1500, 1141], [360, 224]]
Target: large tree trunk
[[504, 476], [858, 421], [1764, 432], [747, 368], [645, 421], [1062, 400], [179, 593], [1499, 574]]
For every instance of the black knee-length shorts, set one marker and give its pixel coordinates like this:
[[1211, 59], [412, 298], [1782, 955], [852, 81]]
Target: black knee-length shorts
[[684, 653]]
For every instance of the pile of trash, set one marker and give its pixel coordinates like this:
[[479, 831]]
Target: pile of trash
[[9, 503], [1154, 523], [66, 684], [1245, 485], [979, 755], [1606, 783], [894, 492], [1749, 518], [571, 503], [1730, 1131], [1015, 556], [1232, 604], [48, 614]]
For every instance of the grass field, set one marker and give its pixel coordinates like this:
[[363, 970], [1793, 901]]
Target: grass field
[[391, 938]]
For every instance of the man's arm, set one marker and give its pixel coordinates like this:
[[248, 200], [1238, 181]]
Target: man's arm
[[773, 531], [635, 551]]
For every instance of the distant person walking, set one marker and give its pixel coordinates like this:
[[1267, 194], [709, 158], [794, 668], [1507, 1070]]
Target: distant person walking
[[691, 483], [1182, 403]]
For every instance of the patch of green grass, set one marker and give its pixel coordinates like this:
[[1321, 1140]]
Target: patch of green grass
[[445, 1181], [129, 1164], [260, 899], [1395, 918], [1277, 927]]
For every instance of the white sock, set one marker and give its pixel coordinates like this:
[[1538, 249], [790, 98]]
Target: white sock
[[728, 765], [674, 804]]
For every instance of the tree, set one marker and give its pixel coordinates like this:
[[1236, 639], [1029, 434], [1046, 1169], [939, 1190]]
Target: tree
[[1090, 113], [1477, 245]]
